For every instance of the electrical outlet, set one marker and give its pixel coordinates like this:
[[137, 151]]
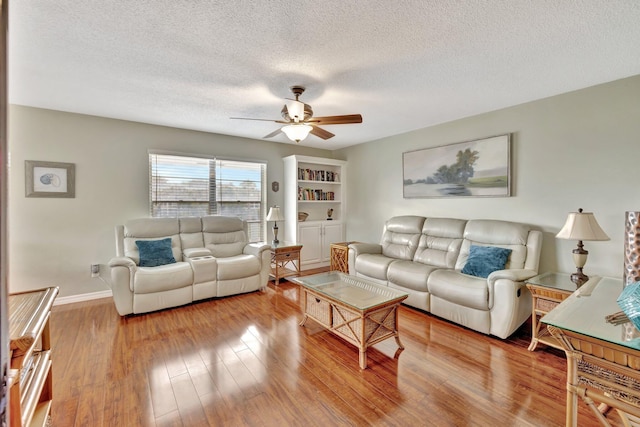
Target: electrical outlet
[[95, 270]]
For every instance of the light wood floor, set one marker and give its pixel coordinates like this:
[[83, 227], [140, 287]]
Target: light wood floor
[[243, 360]]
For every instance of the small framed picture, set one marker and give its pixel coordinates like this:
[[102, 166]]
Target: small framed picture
[[49, 179]]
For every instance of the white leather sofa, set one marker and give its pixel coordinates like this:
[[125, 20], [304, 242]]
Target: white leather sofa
[[425, 257], [211, 258]]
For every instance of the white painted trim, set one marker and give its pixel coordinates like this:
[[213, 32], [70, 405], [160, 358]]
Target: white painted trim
[[83, 297]]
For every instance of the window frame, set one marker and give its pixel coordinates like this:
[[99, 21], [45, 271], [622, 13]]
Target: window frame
[[212, 180]]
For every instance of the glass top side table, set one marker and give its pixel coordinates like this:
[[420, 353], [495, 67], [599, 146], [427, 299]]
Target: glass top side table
[[547, 291], [603, 359]]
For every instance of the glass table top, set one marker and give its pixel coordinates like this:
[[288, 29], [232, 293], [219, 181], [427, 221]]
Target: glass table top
[[560, 281], [356, 292], [283, 244], [585, 310]]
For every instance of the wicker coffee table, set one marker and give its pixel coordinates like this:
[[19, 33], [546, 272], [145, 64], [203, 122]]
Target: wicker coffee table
[[359, 311]]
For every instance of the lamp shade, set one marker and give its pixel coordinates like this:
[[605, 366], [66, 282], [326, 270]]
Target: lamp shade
[[297, 132], [582, 226], [275, 214]]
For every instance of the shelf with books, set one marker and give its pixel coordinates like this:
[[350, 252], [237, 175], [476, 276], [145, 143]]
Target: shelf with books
[[316, 194], [318, 175]]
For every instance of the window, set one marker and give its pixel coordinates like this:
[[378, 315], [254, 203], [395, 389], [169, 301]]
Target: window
[[196, 186]]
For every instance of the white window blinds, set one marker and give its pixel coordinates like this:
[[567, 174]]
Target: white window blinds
[[195, 186]]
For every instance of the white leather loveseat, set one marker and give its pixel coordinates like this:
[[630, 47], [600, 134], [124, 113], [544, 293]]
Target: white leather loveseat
[[166, 262], [429, 257]]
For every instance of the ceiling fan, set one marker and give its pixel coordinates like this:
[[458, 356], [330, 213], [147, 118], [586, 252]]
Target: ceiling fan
[[299, 121]]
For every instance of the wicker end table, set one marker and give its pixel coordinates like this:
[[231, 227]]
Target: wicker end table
[[340, 256], [548, 290], [283, 256]]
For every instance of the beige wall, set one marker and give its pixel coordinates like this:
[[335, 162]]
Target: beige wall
[[577, 150], [54, 241], [580, 149]]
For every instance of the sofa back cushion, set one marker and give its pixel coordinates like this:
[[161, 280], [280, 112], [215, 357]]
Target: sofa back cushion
[[440, 242], [486, 232], [401, 236], [151, 229], [191, 232], [224, 236]]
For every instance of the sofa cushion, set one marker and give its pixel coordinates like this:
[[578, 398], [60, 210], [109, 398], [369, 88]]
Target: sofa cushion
[[373, 265], [162, 278], [224, 236], [486, 232], [409, 274], [155, 252], [401, 236], [237, 267], [150, 229], [484, 260], [440, 242], [191, 232], [458, 288]]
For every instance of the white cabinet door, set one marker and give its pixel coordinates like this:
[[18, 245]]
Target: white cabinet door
[[332, 233], [309, 236]]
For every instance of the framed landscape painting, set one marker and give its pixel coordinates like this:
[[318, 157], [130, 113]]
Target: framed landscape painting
[[479, 168]]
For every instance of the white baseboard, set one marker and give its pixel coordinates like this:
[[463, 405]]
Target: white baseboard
[[83, 297]]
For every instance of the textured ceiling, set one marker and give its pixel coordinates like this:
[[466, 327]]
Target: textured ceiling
[[403, 65]]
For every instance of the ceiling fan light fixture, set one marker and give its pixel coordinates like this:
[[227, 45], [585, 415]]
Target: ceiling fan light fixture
[[296, 110], [297, 132]]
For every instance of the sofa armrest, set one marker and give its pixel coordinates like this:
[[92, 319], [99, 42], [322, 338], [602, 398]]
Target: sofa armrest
[[122, 272], [356, 249], [261, 250], [512, 277], [255, 249], [364, 248], [122, 261], [509, 300], [195, 252], [515, 275]]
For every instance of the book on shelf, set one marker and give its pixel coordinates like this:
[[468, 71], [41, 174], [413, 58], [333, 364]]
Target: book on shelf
[[311, 194], [318, 175]]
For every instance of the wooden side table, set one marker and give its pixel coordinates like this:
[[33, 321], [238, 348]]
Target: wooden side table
[[548, 290], [285, 255], [340, 257]]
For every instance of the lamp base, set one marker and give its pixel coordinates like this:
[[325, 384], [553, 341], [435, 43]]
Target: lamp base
[[579, 278], [275, 234]]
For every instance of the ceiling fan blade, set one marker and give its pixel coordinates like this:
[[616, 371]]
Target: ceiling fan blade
[[321, 133], [272, 134], [336, 120], [262, 120], [249, 118]]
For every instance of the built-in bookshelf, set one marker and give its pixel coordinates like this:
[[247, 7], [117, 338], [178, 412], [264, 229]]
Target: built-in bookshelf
[[314, 186]]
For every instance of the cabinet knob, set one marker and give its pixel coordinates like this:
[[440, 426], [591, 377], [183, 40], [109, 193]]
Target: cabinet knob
[[318, 300]]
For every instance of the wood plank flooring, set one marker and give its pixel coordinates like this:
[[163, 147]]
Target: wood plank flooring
[[244, 360]]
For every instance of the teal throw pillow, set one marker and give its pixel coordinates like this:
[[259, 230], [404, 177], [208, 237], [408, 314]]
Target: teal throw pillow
[[155, 252], [484, 260]]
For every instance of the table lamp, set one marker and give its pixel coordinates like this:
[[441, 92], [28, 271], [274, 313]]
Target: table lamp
[[275, 215], [581, 226]]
